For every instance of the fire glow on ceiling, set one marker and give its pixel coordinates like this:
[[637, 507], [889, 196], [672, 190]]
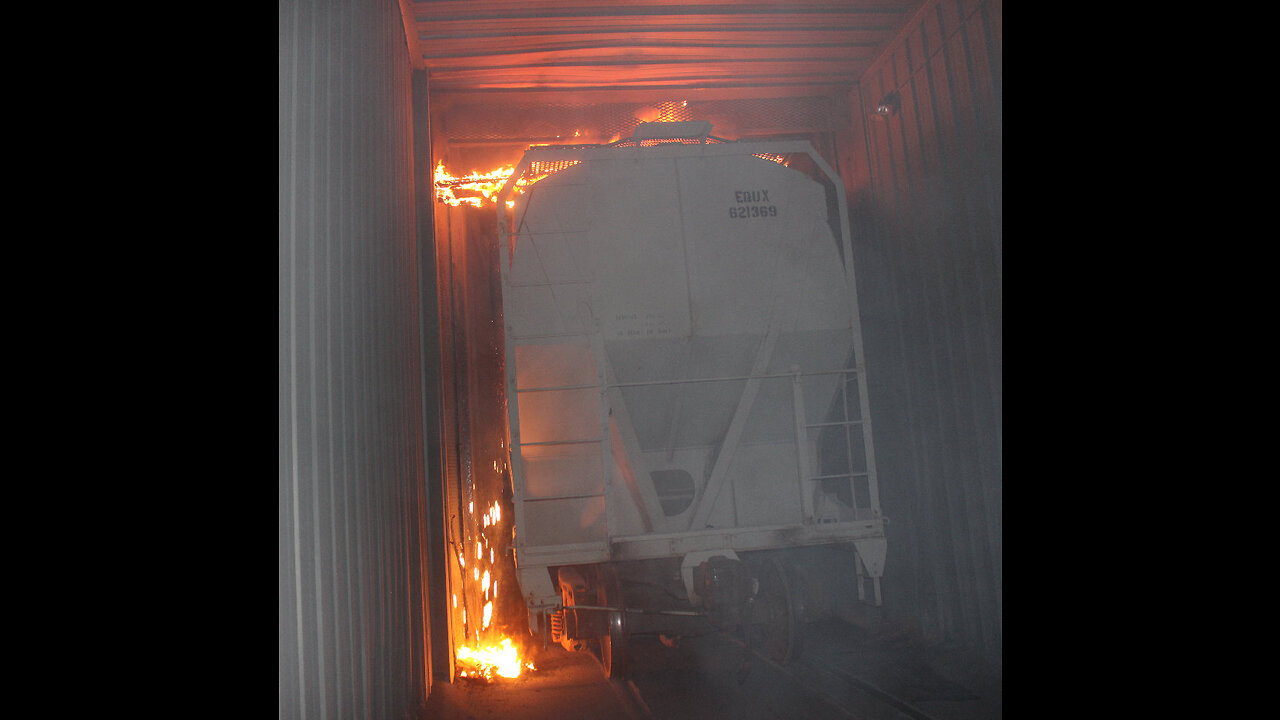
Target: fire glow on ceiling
[[534, 125]]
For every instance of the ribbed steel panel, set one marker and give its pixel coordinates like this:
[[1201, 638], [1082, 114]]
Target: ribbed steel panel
[[930, 284], [353, 628]]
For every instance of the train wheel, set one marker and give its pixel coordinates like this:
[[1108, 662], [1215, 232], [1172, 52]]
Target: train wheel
[[775, 629], [614, 646]]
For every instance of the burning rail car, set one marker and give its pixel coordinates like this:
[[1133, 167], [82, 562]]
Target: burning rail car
[[685, 386]]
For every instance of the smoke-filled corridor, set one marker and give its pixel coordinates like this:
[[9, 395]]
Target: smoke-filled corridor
[[690, 407]]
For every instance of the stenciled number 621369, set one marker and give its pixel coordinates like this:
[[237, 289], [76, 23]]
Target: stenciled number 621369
[[753, 211]]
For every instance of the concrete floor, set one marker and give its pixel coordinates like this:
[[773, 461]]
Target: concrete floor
[[844, 673], [565, 685]]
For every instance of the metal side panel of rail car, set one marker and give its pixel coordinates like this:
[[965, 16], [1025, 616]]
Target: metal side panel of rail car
[[684, 385]]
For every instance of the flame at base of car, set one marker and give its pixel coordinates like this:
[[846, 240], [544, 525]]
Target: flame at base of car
[[501, 660], [483, 649]]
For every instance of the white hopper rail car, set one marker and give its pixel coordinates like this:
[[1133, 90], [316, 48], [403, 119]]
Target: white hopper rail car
[[685, 386]]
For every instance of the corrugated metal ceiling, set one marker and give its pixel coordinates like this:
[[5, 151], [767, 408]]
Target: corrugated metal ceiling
[[484, 45]]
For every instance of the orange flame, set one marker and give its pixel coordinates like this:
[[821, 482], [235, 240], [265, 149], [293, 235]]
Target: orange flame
[[475, 189], [481, 188], [486, 662], [485, 651]]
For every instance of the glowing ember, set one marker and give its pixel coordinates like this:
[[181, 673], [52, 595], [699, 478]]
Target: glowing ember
[[486, 662]]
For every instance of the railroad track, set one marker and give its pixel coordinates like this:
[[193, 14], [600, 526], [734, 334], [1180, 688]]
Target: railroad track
[[721, 678]]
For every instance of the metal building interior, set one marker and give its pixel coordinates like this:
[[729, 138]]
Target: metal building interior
[[381, 323]]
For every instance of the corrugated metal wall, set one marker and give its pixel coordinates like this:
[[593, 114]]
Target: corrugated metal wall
[[354, 635], [928, 194]]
